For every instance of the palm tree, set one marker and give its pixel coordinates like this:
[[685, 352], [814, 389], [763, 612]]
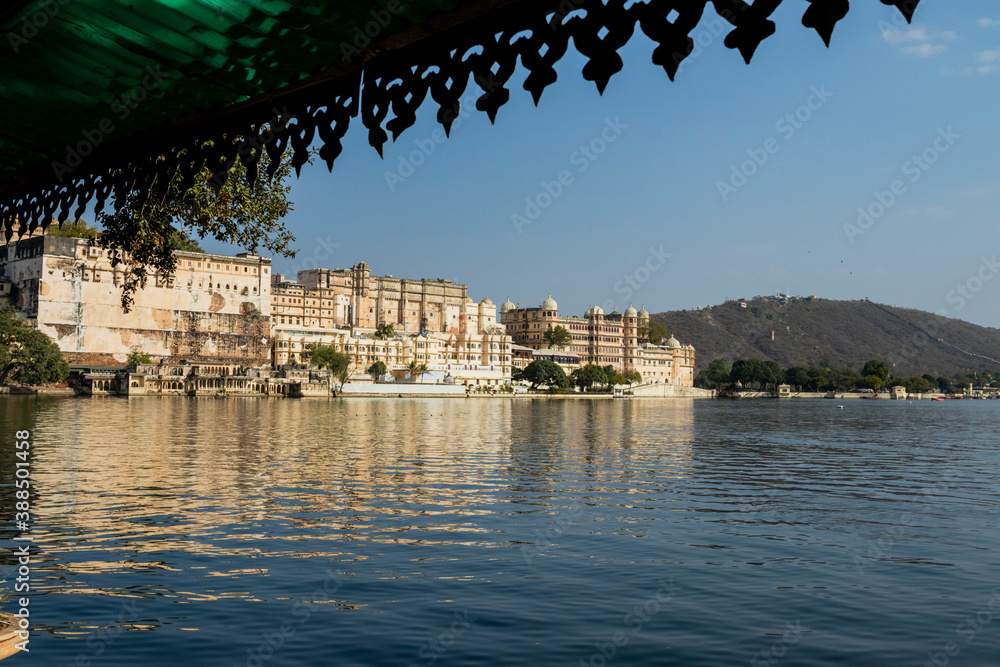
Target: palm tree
[[417, 370]]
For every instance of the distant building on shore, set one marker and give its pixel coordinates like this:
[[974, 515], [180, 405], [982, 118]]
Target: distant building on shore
[[326, 298], [603, 339], [220, 311], [434, 323]]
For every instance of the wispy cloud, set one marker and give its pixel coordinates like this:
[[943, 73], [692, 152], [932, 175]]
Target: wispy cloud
[[923, 50], [939, 212], [915, 34], [989, 61], [989, 23], [983, 192], [918, 41]]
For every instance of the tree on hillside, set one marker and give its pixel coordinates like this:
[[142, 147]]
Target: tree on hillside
[[589, 375], [634, 377], [545, 372], [384, 331], [155, 217], [377, 369], [557, 337], [27, 355], [653, 332], [944, 384]]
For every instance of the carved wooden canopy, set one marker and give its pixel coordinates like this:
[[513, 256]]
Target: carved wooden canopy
[[100, 97]]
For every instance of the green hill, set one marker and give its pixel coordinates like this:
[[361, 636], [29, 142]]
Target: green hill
[[819, 331]]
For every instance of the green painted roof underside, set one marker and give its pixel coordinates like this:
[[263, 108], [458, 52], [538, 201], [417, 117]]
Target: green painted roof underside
[[73, 66]]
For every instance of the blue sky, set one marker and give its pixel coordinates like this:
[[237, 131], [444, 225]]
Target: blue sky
[[882, 94]]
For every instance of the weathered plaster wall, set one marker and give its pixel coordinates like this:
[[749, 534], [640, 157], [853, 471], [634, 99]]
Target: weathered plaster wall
[[215, 307]]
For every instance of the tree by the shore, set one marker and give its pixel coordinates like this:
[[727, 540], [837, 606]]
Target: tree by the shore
[[544, 372], [324, 357], [587, 376], [417, 370], [875, 375], [27, 355]]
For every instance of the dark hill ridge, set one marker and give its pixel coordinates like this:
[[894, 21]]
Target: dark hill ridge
[[811, 331]]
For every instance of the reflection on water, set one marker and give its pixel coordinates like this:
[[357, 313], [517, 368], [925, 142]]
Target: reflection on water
[[497, 531]]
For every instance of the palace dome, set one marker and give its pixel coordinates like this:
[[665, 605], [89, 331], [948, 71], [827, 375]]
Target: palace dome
[[550, 303], [673, 343], [644, 313], [595, 310], [507, 305], [486, 302], [630, 311]]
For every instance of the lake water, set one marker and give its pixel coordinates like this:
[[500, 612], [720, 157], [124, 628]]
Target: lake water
[[176, 531]]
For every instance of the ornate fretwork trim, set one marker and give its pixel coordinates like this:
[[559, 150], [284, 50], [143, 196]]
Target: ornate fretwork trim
[[387, 85]]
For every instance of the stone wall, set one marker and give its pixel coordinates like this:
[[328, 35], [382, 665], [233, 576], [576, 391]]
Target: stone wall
[[214, 308], [665, 390]]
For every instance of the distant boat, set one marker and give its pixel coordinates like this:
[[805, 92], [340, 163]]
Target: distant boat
[[937, 399]]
